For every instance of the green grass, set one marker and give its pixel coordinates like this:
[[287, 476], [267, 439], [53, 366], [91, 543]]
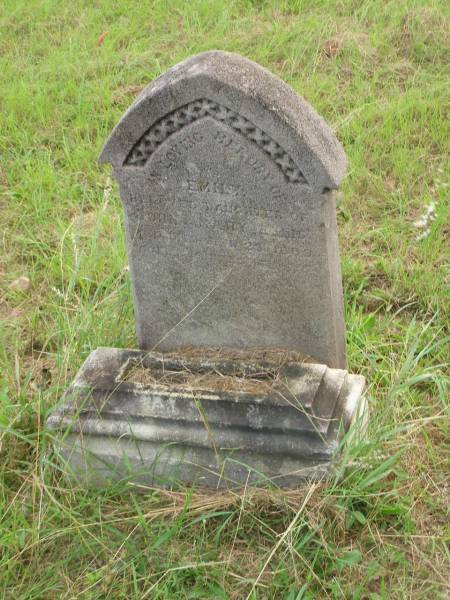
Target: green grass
[[378, 72]]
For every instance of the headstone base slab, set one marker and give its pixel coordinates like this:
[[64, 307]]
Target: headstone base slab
[[208, 419]]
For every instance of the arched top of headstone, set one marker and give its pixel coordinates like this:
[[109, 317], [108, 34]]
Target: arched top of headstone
[[241, 95]]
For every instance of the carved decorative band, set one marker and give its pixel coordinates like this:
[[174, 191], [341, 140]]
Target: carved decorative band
[[199, 109]]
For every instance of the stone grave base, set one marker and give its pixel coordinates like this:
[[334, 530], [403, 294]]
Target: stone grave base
[[208, 417]]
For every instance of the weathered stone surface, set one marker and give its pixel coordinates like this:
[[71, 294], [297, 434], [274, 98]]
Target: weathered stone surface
[[159, 419], [227, 179]]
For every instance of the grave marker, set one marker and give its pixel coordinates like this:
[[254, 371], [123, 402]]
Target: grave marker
[[227, 179]]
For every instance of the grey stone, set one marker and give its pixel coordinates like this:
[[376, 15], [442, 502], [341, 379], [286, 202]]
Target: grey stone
[[227, 177], [175, 425]]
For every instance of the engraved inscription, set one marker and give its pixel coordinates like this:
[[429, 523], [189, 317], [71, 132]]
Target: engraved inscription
[[245, 158], [176, 150], [214, 187], [233, 223], [160, 131]]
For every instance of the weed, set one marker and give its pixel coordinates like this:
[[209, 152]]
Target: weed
[[377, 71]]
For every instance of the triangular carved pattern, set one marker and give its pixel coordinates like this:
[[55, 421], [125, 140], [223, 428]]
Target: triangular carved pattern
[[199, 109]]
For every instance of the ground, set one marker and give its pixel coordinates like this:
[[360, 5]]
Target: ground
[[377, 71]]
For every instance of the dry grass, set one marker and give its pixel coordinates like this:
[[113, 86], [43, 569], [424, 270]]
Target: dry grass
[[378, 72], [258, 370]]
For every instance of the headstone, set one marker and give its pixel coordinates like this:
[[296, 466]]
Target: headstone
[[227, 179]]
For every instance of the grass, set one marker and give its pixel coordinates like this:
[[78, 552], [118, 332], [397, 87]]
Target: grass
[[377, 71]]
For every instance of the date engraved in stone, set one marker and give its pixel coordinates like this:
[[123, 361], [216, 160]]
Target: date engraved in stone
[[160, 131]]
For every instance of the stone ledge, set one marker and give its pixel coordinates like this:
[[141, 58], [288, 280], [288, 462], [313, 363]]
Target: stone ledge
[[175, 419]]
